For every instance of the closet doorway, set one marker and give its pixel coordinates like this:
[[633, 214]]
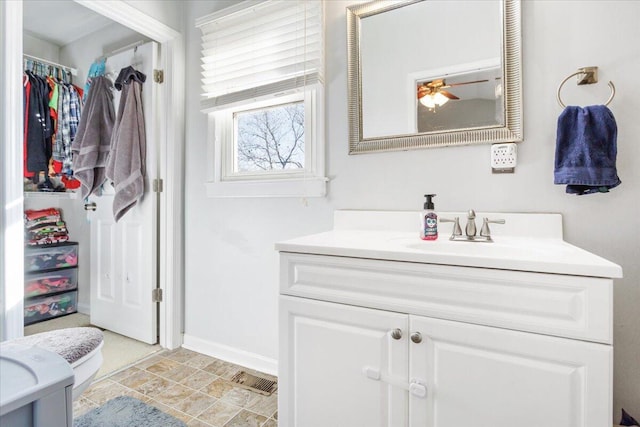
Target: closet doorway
[[168, 229], [117, 269]]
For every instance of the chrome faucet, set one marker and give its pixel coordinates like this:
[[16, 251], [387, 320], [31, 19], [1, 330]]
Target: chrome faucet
[[470, 229]]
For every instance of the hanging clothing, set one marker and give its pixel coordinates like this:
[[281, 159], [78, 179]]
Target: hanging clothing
[[52, 109], [126, 163], [75, 111], [67, 111], [26, 114], [39, 128], [92, 142], [58, 145]]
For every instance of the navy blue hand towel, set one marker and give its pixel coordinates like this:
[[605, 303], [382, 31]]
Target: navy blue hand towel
[[586, 150]]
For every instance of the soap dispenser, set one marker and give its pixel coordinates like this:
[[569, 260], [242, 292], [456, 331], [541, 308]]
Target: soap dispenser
[[429, 220]]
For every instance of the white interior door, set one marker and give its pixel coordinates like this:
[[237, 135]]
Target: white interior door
[[124, 254]]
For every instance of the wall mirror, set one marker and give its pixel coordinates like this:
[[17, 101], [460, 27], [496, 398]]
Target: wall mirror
[[433, 73]]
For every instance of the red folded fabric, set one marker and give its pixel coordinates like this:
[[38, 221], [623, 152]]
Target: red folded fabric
[[30, 214]]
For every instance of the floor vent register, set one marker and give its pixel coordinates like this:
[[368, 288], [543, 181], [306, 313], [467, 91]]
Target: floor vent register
[[255, 383]]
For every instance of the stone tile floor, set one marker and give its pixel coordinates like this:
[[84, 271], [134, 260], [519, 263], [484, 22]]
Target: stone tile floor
[[190, 386]]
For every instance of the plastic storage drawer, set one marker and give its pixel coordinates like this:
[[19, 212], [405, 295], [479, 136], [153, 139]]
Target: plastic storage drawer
[[49, 257], [43, 308], [36, 284]]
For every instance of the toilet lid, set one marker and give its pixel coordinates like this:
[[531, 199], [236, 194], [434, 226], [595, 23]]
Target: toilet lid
[[70, 343]]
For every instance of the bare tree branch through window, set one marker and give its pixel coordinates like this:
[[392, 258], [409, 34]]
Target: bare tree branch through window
[[271, 138]]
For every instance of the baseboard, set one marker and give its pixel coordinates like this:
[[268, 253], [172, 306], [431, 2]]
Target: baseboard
[[84, 308], [231, 354]]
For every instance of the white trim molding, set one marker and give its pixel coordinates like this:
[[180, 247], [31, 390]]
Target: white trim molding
[[232, 355], [11, 197], [127, 15]]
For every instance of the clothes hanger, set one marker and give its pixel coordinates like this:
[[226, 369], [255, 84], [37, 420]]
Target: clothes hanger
[[134, 59]]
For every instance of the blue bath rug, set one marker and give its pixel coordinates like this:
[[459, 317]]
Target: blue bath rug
[[125, 411]]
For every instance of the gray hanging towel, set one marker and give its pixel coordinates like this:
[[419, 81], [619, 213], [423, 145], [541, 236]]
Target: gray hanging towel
[[126, 163], [93, 139], [586, 150]]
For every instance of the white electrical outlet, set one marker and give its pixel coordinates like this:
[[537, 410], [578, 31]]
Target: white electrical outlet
[[503, 158]]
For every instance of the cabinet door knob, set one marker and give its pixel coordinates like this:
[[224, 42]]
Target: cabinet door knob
[[416, 337], [396, 334], [418, 390], [90, 206]]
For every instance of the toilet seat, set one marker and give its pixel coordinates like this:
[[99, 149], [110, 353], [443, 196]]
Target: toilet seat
[[85, 369], [80, 347]]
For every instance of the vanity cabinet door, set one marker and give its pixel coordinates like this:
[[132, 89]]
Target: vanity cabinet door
[[341, 365], [490, 377]]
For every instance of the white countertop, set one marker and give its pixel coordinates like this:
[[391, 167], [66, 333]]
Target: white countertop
[[356, 235]]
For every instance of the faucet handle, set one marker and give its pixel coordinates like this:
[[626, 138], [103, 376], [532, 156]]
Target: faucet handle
[[485, 232], [457, 231]]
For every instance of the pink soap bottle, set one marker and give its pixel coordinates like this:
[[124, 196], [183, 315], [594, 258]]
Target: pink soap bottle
[[429, 220]]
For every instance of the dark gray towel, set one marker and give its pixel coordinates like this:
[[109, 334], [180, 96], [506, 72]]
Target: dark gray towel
[[93, 139], [126, 162], [586, 150]]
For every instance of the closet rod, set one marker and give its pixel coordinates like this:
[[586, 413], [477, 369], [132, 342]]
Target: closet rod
[[73, 71], [122, 49]]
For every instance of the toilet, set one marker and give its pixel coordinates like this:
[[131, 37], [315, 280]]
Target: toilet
[[80, 347]]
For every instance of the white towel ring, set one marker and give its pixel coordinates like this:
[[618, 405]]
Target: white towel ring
[[611, 86]]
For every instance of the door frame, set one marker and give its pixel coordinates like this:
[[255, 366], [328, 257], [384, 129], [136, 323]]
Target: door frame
[[171, 160]]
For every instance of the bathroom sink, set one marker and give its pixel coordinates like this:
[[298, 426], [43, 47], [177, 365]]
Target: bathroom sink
[[507, 248], [393, 236]]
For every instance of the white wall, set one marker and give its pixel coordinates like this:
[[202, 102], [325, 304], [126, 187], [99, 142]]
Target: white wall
[[231, 267], [32, 45]]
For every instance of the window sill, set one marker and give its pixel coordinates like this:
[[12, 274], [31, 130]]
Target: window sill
[[299, 187]]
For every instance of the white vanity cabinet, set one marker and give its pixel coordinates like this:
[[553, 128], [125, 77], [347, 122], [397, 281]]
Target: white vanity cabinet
[[485, 376], [382, 340], [325, 349]]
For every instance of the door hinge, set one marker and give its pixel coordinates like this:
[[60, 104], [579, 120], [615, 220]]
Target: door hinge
[[156, 295], [158, 76], [158, 185]]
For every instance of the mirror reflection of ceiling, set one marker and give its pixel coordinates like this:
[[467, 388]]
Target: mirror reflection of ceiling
[[428, 39], [60, 21], [479, 103]]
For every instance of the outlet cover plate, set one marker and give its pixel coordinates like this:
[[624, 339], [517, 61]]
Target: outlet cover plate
[[504, 157]]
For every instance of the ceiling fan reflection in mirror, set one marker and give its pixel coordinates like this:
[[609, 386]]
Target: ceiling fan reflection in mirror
[[432, 93]]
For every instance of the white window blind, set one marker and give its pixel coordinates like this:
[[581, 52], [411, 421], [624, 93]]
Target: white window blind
[[258, 49]]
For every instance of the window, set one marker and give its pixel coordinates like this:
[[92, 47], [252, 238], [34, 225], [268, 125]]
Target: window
[[262, 88], [269, 139]]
